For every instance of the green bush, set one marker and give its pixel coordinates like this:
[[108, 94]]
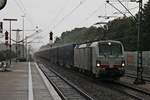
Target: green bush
[[6, 54]]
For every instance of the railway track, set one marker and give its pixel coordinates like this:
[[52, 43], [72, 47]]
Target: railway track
[[124, 88], [131, 90], [132, 75], [64, 88]]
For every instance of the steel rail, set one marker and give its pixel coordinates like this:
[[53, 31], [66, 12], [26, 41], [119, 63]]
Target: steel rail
[[138, 92], [131, 75], [59, 90]]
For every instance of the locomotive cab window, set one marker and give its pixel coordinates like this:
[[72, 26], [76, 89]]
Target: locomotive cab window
[[109, 48]]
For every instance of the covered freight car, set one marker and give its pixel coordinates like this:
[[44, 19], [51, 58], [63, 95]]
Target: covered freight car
[[65, 55], [83, 58], [100, 58]]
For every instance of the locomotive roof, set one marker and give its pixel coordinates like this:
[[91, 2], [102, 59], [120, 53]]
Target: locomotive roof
[[95, 43], [58, 46], [83, 45]]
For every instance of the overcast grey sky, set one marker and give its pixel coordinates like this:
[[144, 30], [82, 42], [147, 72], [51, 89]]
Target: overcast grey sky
[[58, 15]]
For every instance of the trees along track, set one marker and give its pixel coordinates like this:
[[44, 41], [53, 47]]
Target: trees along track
[[65, 89]]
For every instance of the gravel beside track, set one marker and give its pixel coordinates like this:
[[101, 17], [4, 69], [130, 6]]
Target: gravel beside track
[[133, 75], [132, 90]]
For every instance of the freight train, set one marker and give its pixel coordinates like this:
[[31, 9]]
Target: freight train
[[102, 59]]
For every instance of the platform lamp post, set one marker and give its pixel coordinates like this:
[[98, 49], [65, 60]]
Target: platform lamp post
[[10, 20]]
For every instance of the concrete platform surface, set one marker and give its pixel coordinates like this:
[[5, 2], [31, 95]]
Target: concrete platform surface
[[25, 81]]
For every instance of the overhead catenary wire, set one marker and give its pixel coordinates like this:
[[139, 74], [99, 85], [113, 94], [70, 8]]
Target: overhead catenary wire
[[115, 8], [56, 25], [105, 9], [90, 15], [22, 5], [23, 10], [127, 9], [67, 15], [58, 14], [29, 18]]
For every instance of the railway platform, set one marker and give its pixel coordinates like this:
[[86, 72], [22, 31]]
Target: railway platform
[[25, 81]]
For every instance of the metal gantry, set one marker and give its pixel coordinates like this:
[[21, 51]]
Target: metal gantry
[[139, 79]]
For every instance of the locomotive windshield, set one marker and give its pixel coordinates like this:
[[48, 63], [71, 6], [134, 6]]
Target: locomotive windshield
[[109, 48]]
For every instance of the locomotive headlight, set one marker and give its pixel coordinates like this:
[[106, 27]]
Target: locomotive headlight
[[109, 43], [98, 63], [123, 63]]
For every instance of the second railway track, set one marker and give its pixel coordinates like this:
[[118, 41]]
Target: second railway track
[[65, 89], [133, 75], [131, 90]]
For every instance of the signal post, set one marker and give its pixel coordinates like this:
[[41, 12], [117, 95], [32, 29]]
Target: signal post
[[51, 38], [10, 20]]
